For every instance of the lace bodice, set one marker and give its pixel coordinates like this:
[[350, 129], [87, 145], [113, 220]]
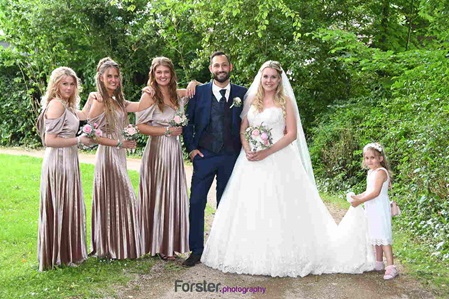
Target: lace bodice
[[271, 117]]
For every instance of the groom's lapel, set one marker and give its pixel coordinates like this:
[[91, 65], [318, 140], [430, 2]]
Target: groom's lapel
[[234, 112]]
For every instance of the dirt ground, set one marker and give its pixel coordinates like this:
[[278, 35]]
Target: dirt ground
[[182, 282]]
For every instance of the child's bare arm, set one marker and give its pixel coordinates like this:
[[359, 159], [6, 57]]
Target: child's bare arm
[[379, 179]]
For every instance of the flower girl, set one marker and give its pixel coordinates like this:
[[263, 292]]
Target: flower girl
[[377, 206]]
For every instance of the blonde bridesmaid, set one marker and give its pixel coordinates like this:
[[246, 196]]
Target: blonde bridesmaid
[[62, 223]]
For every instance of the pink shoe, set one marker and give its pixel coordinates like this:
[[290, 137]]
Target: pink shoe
[[390, 272], [379, 266]]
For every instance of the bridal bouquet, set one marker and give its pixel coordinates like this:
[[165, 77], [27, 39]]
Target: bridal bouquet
[[91, 131], [131, 132], [258, 137], [179, 120]]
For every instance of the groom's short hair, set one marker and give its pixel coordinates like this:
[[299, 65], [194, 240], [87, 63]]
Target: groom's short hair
[[219, 53]]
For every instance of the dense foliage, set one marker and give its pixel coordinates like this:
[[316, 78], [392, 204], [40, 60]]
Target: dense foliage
[[362, 71]]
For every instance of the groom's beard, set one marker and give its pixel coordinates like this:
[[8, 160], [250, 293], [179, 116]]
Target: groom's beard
[[221, 77]]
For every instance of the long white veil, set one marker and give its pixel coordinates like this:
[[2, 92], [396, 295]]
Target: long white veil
[[300, 143]]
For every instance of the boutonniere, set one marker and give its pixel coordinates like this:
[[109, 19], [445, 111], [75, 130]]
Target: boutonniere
[[237, 102]]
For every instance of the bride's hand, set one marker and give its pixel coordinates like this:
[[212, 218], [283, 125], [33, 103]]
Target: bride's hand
[[257, 156]]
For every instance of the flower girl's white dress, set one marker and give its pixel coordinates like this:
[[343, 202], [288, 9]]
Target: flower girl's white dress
[[271, 220], [378, 212]]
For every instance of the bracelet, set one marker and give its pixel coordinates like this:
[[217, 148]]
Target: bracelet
[[78, 141], [167, 131], [119, 144]]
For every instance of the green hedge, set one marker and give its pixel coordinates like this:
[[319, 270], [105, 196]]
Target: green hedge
[[412, 124]]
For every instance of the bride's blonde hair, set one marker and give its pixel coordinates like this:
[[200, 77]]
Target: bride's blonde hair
[[279, 97]]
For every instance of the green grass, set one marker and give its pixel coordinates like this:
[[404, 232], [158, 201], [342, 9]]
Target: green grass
[[96, 278], [19, 212], [420, 263]]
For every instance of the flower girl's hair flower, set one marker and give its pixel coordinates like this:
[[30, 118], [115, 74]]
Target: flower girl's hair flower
[[373, 145]]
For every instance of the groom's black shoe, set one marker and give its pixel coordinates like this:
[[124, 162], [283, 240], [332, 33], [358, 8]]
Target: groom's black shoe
[[192, 260]]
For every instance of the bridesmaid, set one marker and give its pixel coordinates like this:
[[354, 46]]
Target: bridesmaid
[[115, 232], [62, 223], [163, 200]]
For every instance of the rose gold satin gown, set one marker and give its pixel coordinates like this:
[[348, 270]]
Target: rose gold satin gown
[[163, 200], [62, 220], [115, 232]]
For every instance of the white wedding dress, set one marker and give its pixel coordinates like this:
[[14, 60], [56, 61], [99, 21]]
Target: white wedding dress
[[272, 221]]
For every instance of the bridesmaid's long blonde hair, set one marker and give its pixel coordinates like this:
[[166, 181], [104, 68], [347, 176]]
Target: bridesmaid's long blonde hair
[[118, 99], [53, 88], [279, 97], [173, 84]]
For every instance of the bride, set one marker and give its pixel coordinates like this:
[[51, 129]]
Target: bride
[[271, 219]]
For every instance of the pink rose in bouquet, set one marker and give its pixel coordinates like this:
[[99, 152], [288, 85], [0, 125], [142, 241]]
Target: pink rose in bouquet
[[179, 120], [255, 132], [131, 132], [91, 131]]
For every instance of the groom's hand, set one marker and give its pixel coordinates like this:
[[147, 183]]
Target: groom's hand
[[195, 152]]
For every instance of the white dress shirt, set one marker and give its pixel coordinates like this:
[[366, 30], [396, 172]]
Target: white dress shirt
[[217, 94]]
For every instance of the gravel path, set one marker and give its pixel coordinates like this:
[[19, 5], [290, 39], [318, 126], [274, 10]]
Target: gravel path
[[160, 283]]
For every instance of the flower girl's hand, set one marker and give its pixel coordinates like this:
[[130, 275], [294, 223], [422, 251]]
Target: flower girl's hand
[[349, 197], [355, 202]]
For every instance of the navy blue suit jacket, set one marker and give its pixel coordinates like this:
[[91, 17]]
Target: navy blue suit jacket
[[198, 112]]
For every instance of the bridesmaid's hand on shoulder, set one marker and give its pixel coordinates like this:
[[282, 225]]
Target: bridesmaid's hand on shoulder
[[149, 90]]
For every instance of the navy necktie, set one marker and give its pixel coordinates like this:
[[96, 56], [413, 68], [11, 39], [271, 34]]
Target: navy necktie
[[223, 98]]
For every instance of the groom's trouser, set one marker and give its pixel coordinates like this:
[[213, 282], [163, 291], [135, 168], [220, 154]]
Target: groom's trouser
[[204, 170]]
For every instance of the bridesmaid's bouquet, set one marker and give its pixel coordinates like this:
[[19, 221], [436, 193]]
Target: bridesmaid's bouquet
[[179, 120], [91, 131], [259, 137], [131, 132]]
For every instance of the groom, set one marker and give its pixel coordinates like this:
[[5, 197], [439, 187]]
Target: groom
[[213, 141]]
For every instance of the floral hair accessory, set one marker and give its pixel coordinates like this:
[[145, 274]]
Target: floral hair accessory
[[373, 145]]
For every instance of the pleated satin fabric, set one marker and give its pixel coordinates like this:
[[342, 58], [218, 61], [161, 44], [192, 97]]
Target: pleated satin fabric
[[163, 201], [62, 220], [115, 231]]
